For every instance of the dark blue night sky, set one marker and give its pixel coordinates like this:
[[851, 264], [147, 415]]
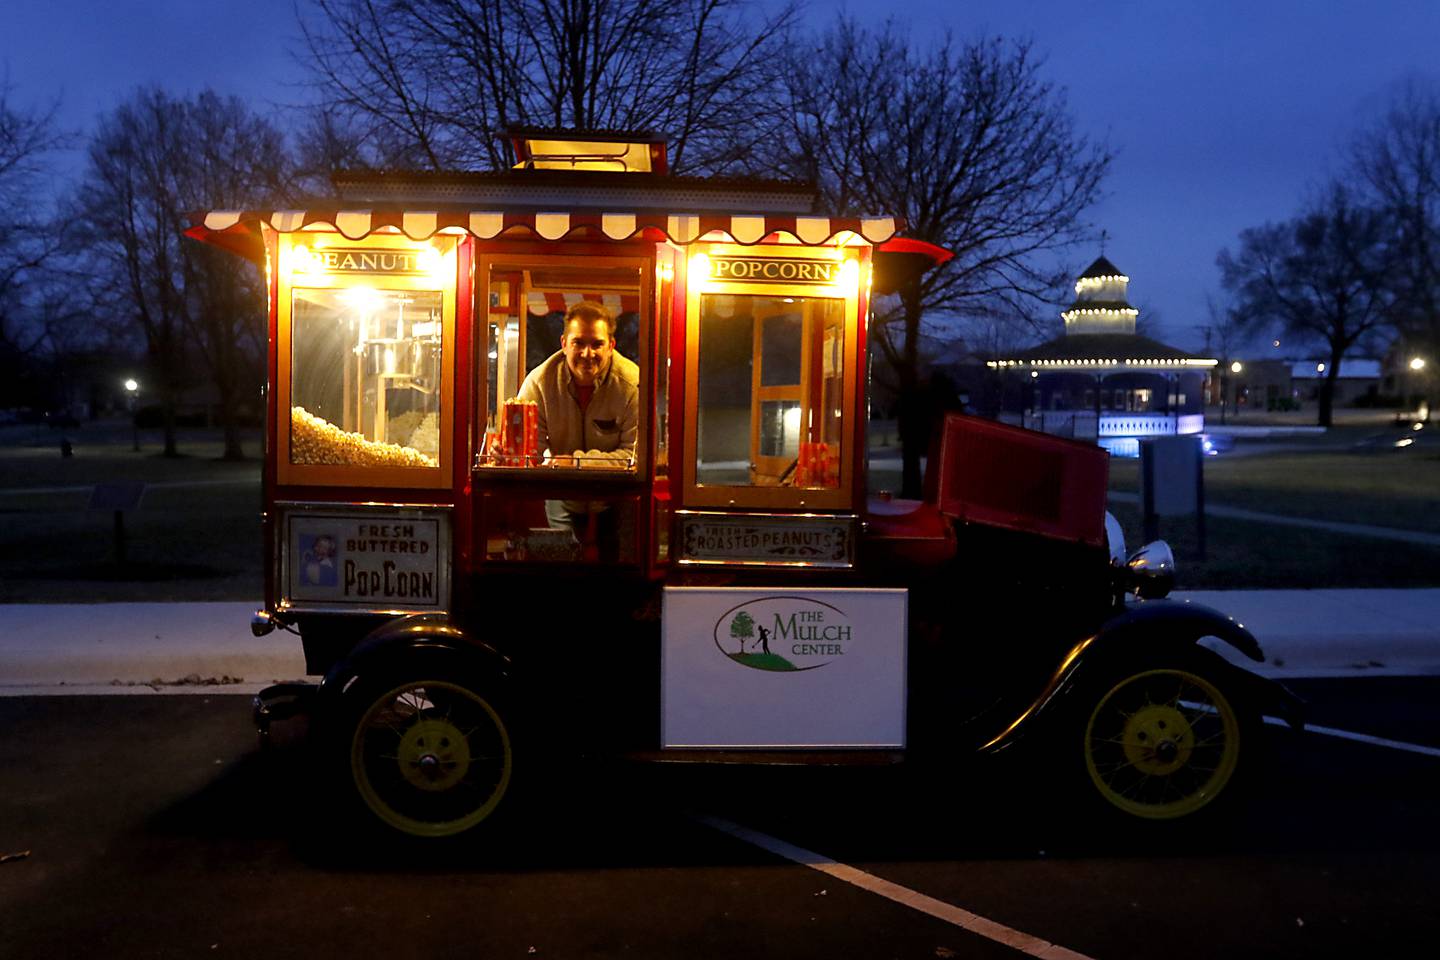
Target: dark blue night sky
[[1222, 114]]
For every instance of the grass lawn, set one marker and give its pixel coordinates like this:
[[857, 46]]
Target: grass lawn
[[1337, 480], [191, 542], [200, 539], [1241, 555]]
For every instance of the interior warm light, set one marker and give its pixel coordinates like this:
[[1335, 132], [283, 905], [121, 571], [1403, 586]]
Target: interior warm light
[[429, 261], [699, 276], [302, 260], [850, 274], [360, 298], [1418, 363]]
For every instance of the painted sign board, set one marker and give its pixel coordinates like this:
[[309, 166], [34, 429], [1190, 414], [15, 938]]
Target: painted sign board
[[382, 559], [766, 539], [745, 668]]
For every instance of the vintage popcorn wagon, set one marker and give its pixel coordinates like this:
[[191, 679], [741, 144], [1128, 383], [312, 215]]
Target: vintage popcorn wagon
[[572, 457]]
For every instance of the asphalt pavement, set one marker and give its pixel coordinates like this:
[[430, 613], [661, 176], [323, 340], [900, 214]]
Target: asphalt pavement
[[208, 647]]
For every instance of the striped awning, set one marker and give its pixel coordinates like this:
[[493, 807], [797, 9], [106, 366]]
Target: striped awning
[[542, 302], [220, 226]]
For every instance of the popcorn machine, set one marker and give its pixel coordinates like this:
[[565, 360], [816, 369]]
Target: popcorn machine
[[574, 456]]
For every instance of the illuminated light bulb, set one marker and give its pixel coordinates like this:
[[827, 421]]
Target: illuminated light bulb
[[429, 260], [361, 298], [699, 275], [1319, 368], [850, 274], [302, 260]]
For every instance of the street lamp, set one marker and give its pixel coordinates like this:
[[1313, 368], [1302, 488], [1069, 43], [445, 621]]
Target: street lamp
[[132, 387], [1235, 367], [1422, 410]]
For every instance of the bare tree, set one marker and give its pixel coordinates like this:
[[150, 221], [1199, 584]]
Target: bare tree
[[435, 82], [1226, 332], [1397, 163], [973, 149], [152, 161], [28, 239], [1320, 276]]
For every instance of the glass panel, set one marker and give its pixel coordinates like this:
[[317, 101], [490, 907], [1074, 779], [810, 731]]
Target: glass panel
[[365, 377], [724, 386], [553, 328], [665, 288], [535, 530], [770, 385], [781, 342], [780, 428]]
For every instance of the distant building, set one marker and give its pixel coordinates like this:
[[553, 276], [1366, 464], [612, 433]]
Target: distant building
[[1101, 380], [1359, 378], [1285, 384]]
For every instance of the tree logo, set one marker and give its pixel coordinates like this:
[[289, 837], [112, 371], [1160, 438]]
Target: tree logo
[[783, 634]]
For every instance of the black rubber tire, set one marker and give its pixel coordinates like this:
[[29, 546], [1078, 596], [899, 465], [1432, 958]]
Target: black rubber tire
[[1170, 739], [426, 754]]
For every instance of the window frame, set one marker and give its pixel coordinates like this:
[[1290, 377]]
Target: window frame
[[777, 498], [644, 265], [444, 283]]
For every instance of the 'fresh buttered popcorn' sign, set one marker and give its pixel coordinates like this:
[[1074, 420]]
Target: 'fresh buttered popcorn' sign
[[392, 559]]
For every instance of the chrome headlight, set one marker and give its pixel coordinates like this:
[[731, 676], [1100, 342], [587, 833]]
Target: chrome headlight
[[1150, 571]]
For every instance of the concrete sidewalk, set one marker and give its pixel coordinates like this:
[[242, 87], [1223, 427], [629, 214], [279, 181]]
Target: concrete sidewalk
[[207, 647]]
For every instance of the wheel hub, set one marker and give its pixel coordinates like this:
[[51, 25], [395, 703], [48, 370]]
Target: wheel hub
[[1158, 739], [434, 755]]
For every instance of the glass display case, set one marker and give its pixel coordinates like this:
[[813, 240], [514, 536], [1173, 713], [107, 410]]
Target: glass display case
[[535, 413], [368, 332], [770, 398]]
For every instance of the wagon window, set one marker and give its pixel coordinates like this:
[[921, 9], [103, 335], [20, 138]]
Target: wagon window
[[365, 377], [539, 412], [770, 405]]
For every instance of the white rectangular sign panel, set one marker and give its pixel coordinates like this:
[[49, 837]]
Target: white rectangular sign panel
[[395, 560], [782, 669]]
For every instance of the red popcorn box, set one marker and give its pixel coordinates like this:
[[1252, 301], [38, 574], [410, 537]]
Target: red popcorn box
[[810, 470], [831, 473], [520, 434], [817, 466]]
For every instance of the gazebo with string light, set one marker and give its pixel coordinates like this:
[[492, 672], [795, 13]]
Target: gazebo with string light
[[1101, 380]]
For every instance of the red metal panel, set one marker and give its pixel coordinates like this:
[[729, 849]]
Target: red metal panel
[[991, 473]]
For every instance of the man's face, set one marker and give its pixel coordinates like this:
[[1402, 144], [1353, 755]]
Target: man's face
[[587, 347]]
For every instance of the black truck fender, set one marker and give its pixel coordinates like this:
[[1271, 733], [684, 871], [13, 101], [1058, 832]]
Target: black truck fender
[[1143, 629], [427, 638]]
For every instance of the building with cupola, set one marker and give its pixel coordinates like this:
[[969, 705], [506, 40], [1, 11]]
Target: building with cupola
[[1101, 380]]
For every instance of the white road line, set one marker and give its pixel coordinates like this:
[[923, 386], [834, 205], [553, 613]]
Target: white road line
[[939, 909], [1362, 738]]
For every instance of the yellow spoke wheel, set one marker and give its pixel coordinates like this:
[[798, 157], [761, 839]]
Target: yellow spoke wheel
[[1162, 744], [430, 758]]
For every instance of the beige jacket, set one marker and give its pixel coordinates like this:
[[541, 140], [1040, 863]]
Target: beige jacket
[[611, 423]]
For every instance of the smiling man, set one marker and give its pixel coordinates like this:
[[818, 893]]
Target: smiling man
[[589, 412], [588, 395]]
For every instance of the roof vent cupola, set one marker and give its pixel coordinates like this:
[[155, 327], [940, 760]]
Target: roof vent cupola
[[1100, 301]]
